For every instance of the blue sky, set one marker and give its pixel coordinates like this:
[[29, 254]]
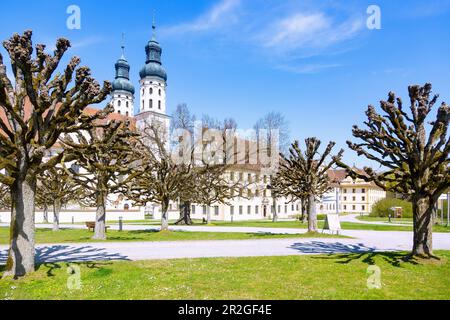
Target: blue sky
[[314, 61]]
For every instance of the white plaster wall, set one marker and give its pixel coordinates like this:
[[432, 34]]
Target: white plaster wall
[[124, 98], [146, 95], [80, 216]]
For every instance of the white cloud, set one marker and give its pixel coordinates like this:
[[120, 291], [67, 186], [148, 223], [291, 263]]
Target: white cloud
[[86, 42], [307, 31], [221, 14], [297, 28], [308, 68]]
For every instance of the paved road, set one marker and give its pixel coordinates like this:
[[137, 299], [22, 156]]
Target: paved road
[[364, 241]]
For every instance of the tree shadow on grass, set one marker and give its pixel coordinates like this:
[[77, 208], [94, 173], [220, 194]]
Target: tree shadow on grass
[[347, 253], [53, 256], [319, 247]]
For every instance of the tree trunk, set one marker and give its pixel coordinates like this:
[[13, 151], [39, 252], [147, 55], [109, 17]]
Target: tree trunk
[[275, 214], [304, 210], [185, 214], [423, 226], [100, 218], [208, 214], [164, 216], [56, 211], [312, 214], [45, 213], [22, 252]]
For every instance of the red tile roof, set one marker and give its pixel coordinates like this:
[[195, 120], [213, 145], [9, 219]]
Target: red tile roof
[[88, 110]]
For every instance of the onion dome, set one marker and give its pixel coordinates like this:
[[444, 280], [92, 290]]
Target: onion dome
[[153, 66], [122, 80]]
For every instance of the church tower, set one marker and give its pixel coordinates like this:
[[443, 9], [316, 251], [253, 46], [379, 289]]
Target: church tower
[[122, 88], [153, 85]]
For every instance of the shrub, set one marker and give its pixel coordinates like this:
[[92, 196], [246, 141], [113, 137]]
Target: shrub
[[382, 208]]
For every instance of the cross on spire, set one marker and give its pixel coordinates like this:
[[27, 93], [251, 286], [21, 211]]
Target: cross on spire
[[153, 27], [123, 45]]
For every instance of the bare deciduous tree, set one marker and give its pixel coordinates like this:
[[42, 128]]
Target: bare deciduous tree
[[305, 175], [35, 109], [57, 188], [213, 186], [271, 122], [160, 179], [107, 158], [414, 154], [183, 119]]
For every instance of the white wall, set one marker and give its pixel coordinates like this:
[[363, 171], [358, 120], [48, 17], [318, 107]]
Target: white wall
[[123, 97], [145, 95], [80, 216]]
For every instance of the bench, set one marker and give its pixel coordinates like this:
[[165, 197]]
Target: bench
[[91, 225]]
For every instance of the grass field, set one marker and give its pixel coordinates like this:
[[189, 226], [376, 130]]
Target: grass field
[[293, 277], [344, 225], [379, 219], [77, 236], [384, 219], [295, 224]]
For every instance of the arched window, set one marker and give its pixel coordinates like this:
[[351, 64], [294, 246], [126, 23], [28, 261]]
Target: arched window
[[119, 103], [159, 104], [127, 104], [143, 91], [118, 112], [151, 90], [160, 92], [151, 103], [128, 114], [143, 105]]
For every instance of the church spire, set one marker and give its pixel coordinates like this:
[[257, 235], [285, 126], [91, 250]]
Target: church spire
[[122, 46], [153, 27]]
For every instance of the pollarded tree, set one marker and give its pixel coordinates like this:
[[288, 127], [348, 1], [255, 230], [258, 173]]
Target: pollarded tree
[[106, 158], [305, 175], [35, 109], [183, 120], [161, 179], [414, 153], [212, 185], [277, 189], [42, 200], [58, 188], [212, 173]]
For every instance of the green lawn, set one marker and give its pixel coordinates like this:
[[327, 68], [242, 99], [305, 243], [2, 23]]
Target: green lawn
[[384, 219], [380, 219], [295, 224], [77, 236], [344, 225], [293, 277]]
